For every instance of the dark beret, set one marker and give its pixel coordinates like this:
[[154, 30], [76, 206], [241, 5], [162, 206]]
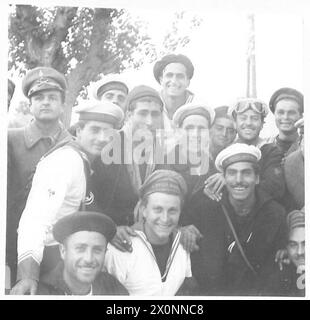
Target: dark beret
[[142, 91], [286, 93], [11, 87], [43, 78], [222, 112], [84, 221], [172, 58]]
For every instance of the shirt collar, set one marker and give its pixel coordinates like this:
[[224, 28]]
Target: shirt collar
[[33, 134]]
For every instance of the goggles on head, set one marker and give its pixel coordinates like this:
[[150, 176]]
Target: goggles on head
[[254, 104]]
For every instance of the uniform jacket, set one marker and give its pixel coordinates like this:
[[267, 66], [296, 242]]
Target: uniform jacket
[[272, 180], [115, 191], [294, 170], [26, 146], [218, 266], [286, 282], [54, 284]]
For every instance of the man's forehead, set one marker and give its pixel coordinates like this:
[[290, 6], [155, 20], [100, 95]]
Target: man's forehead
[[242, 165], [47, 92], [98, 124], [147, 103], [224, 121], [114, 91], [175, 67], [297, 234], [249, 112]]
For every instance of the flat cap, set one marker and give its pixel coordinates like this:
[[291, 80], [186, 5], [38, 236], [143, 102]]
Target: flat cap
[[109, 82], [172, 58], [243, 104], [286, 93], [104, 111], [222, 112], [295, 219], [84, 221], [193, 108], [164, 181], [237, 152], [43, 78], [140, 92], [11, 87]]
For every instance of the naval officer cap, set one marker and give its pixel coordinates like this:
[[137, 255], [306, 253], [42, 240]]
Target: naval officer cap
[[84, 221], [160, 65], [193, 108], [164, 181], [286, 93], [237, 152], [109, 82], [43, 78], [104, 111]]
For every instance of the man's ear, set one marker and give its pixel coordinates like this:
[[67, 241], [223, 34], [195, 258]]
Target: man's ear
[[62, 250], [160, 80]]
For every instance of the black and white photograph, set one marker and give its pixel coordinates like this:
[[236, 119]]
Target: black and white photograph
[[154, 150]]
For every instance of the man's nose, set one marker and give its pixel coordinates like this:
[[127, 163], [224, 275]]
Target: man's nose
[[88, 256], [164, 216], [238, 177], [300, 249]]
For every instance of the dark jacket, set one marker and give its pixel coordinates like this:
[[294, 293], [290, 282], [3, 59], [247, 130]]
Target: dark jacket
[[261, 233], [113, 189], [26, 146], [54, 284], [294, 170], [271, 173], [286, 282]]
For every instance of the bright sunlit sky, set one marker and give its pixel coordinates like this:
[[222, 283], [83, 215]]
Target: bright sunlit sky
[[218, 50]]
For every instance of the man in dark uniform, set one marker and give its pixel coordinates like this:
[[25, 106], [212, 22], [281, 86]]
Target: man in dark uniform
[[116, 184], [290, 279], [287, 105], [241, 233], [45, 87], [83, 238]]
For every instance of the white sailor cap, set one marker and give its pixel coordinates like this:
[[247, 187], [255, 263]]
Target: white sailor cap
[[238, 152], [104, 111], [193, 108]]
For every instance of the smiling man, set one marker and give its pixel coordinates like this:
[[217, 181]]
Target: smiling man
[[174, 72], [287, 105], [60, 187], [46, 89], [83, 238], [242, 233], [158, 264], [290, 279]]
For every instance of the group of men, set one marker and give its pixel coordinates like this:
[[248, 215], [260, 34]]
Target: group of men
[[155, 193]]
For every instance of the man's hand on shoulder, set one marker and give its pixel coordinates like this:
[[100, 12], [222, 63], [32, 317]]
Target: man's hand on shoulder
[[122, 238], [189, 237]]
